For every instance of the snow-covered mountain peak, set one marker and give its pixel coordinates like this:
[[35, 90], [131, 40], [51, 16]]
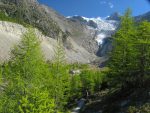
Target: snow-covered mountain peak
[[102, 23], [93, 19], [104, 28]]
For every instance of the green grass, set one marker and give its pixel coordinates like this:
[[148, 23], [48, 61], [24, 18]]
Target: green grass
[[4, 17]]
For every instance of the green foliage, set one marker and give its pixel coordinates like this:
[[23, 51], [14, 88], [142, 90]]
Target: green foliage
[[37, 102], [1, 74], [88, 80], [4, 17], [92, 80], [129, 60], [100, 78], [27, 75], [122, 55], [35, 86], [78, 66], [76, 86], [143, 51], [142, 109], [61, 78]]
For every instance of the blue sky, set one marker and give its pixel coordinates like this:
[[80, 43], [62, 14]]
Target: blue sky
[[97, 8]]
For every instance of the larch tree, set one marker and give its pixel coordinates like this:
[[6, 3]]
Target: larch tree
[[143, 51], [27, 73], [122, 56], [61, 77]]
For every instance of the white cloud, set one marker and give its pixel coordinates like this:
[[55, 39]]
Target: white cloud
[[111, 5]]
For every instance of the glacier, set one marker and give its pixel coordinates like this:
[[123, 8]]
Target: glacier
[[104, 28]]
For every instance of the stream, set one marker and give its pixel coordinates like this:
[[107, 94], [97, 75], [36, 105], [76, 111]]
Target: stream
[[80, 105]]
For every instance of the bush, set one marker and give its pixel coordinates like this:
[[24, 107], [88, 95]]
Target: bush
[[142, 109]]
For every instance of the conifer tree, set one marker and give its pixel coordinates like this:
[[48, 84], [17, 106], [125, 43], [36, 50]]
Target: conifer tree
[[143, 51], [27, 73], [99, 78], [1, 73], [76, 86], [61, 78], [87, 78], [123, 55]]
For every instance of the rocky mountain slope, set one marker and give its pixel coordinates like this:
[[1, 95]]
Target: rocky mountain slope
[[11, 33], [31, 12], [145, 16], [84, 39], [53, 25], [114, 16], [81, 41]]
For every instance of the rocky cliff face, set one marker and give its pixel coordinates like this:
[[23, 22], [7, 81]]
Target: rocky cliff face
[[31, 12], [11, 33]]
